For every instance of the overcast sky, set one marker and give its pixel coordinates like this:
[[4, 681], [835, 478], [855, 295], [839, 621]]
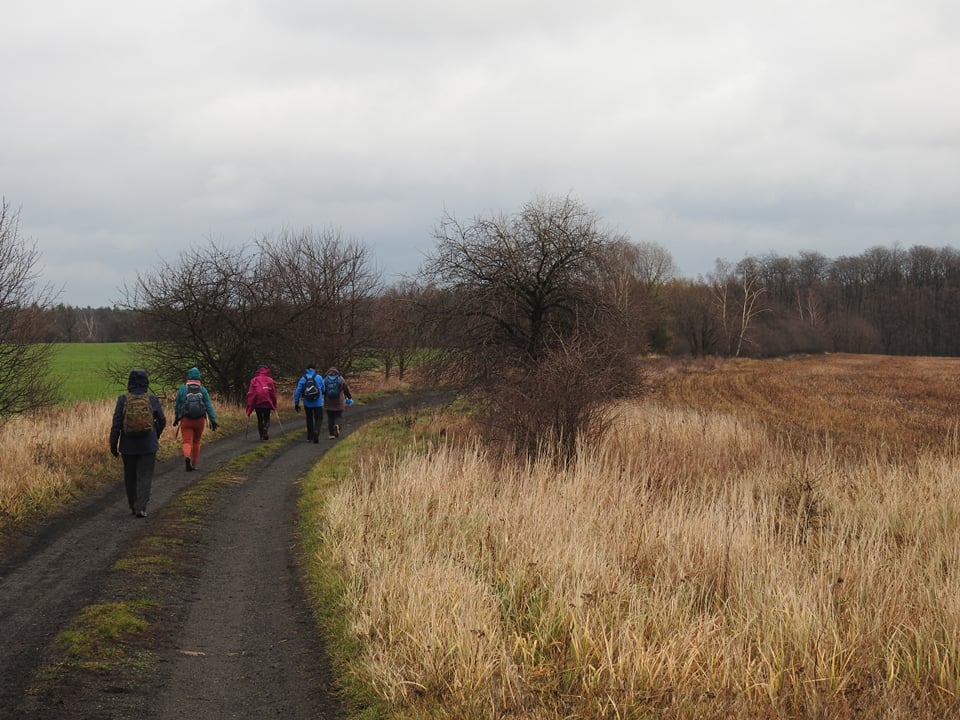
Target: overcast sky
[[132, 131]]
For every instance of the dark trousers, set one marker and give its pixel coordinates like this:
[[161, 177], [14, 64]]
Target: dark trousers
[[333, 421], [314, 422], [137, 478], [263, 421]]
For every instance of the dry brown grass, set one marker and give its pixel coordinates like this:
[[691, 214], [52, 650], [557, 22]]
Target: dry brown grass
[[52, 457], [758, 539]]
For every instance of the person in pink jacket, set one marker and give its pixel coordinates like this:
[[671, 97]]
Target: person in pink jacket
[[262, 399]]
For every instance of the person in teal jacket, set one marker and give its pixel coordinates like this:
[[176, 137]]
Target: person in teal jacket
[[191, 410]]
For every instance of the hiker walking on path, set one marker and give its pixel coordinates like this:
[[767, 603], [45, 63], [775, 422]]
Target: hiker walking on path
[[138, 423], [191, 409], [310, 391], [262, 399], [336, 394]]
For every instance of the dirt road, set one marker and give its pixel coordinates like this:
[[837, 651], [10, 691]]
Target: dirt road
[[214, 576]]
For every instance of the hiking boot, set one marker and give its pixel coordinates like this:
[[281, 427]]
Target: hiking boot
[[332, 436], [188, 466], [141, 513]]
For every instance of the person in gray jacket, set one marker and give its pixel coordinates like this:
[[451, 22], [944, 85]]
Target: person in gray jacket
[[336, 394], [138, 448]]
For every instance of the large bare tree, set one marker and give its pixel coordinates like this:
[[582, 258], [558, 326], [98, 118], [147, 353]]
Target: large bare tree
[[326, 284], [24, 360], [521, 281], [524, 308], [287, 301]]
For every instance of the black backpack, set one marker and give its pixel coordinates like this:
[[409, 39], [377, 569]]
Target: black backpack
[[193, 406], [311, 391]]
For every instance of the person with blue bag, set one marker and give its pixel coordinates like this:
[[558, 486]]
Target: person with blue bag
[[310, 391], [336, 395]]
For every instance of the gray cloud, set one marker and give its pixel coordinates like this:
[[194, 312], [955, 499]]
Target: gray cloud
[[714, 129]]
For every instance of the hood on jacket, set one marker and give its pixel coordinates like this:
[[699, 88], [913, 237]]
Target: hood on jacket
[[138, 382], [333, 371], [193, 374], [263, 370]]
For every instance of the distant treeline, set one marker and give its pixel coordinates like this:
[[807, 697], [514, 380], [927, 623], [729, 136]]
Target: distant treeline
[[886, 300], [69, 324]]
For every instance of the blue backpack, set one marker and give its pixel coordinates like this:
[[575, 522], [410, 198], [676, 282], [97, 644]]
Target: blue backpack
[[193, 405], [332, 384]]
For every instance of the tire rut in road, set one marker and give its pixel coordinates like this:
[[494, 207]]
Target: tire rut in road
[[230, 631]]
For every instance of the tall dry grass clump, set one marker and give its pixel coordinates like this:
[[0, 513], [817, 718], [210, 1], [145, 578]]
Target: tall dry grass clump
[[685, 566], [50, 456]]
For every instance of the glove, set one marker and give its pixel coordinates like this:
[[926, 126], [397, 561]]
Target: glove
[[114, 452], [176, 421], [349, 402], [214, 425], [297, 408]]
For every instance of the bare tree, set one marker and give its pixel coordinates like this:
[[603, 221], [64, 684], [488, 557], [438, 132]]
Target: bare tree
[[327, 286], [738, 293], [517, 293], [398, 327], [638, 273], [693, 317], [654, 265], [523, 280], [207, 310], [285, 302], [23, 306]]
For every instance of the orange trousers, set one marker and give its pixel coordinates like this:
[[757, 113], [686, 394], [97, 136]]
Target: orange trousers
[[191, 430]]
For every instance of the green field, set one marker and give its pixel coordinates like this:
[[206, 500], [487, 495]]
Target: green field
[[82, 369]]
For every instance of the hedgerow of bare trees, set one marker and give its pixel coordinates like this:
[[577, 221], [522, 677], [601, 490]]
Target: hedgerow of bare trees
[[398, 328], [23, 305], [526, 317], [300, 298]]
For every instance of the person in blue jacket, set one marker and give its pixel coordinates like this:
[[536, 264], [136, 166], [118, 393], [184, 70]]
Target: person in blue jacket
[[139, 451], [310, 392]]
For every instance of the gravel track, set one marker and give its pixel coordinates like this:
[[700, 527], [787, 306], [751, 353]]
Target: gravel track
[[233, 636]]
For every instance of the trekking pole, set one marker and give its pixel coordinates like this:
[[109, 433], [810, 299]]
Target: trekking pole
[[246, 428], [279, 421]]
